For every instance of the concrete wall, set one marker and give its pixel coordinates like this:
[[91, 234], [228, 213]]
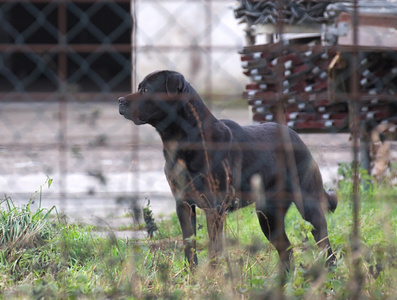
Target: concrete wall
[[200, 39]]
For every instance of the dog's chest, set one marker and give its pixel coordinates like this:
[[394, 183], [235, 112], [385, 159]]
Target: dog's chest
[[180, 180], [199, 187]]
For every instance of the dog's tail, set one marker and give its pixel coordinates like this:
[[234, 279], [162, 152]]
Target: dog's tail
[[332, 200]]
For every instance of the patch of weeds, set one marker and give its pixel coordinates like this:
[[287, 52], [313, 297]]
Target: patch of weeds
[[23, 234], [150, 226], [76, 152], [21, 226], [135, 211], [99, 176], [70, 261], [99, 141], [132, 227]]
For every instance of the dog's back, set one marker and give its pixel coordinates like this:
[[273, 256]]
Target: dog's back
[[266, 152]]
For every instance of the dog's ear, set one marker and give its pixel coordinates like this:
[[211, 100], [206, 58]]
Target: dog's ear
[[174, 84]]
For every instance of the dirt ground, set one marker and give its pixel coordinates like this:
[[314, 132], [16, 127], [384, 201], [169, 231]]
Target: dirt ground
[[99, 161]]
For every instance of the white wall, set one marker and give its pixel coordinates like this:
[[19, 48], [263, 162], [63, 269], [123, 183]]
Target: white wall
[[200, 39]]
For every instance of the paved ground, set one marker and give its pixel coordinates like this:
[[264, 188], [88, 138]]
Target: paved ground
[[106, 159]]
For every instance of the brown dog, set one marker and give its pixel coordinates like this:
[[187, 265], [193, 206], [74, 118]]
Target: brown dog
[[209, 163]]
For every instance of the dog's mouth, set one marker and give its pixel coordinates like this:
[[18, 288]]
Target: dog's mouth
[[131, 115], [138, 121]]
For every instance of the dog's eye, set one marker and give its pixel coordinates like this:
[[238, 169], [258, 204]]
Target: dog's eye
[[145, 90]]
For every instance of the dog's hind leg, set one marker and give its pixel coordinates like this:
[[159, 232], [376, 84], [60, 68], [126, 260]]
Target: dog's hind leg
[[315, 215], [187, 218], [271, 220]]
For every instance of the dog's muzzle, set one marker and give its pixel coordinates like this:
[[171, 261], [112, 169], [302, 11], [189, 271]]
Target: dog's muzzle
[[129, 111]]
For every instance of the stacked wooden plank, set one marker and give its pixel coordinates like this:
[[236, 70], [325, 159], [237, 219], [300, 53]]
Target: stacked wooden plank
[[308, 78], [297, 76], [377, 85], [377, 63]]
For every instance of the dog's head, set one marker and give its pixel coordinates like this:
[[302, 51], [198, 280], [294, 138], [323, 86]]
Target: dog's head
[[159, 97]]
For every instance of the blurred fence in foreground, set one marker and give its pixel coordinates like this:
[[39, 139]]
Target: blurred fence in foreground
[[63, 65], [317, 66]]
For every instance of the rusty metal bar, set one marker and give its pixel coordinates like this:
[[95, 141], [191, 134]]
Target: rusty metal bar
[[209, 48], [70, 1], [63, 47], [49, 96], [355, 131], [96, 48], [283, 149], [62, 75], [135, 147]]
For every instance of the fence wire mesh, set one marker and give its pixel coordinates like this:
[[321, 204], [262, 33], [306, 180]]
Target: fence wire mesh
[[326, 69]]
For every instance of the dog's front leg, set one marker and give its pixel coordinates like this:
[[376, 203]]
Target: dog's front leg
[[215, 231], [187, 219]]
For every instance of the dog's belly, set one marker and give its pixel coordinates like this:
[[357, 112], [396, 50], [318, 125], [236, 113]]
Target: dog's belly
[[196, 189], [240, 202]]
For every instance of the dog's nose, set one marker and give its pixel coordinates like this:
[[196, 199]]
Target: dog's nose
[[122, 100]]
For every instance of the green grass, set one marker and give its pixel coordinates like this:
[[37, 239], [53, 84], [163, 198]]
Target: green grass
[[42, 258]]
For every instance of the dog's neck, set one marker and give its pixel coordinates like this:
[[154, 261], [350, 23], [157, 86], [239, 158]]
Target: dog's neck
[[190, 123]]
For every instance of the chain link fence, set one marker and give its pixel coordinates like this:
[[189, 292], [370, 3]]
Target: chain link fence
[[63, 69], [327, 66], [307, 64], [63, 66]]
